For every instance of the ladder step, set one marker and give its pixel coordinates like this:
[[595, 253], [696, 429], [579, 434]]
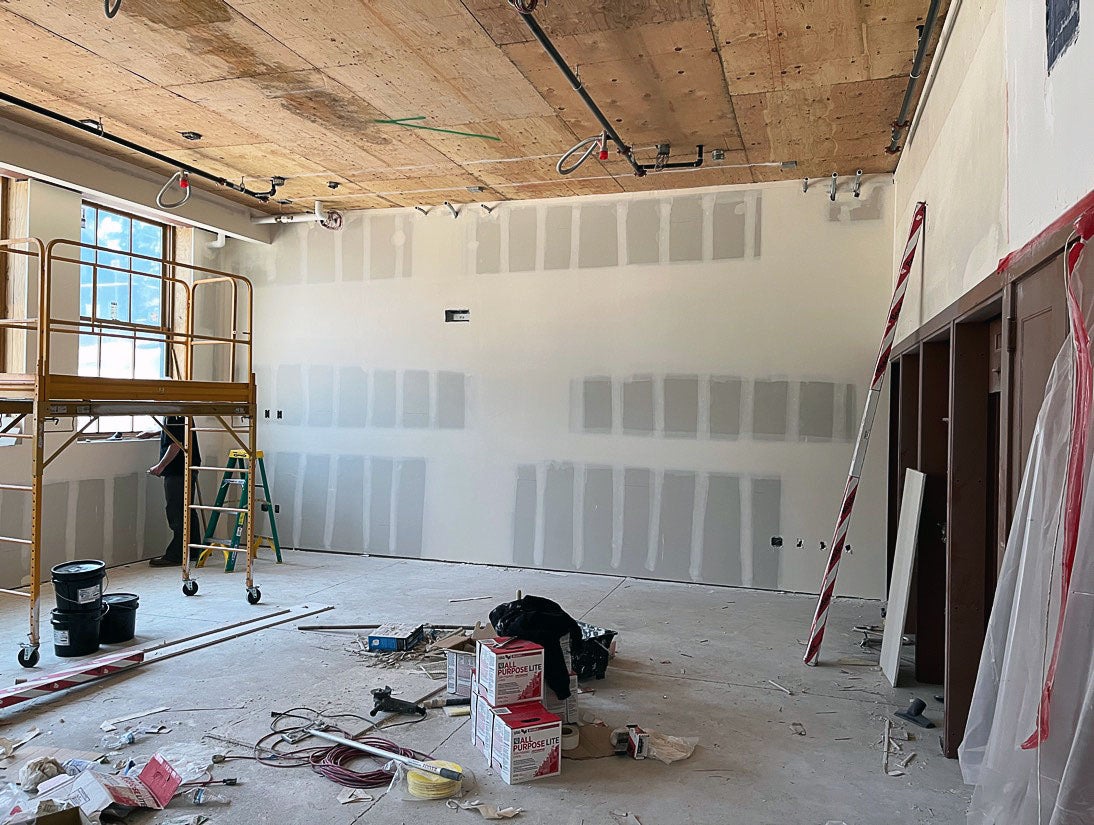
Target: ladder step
[[218, 509], [25, 488], [224, 470], [15, 592], [12, 540]]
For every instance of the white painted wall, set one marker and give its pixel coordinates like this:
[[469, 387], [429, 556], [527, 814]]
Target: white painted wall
[[340, 315], [957, 163], [1001, 152], [1051, 120]]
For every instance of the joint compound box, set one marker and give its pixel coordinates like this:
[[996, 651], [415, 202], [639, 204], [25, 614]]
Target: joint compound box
[[527, 743], [509, 670], [482, 725]]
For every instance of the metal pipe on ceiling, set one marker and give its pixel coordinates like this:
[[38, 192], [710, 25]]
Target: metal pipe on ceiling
[[98, 131], [579, 87], [901, 122]]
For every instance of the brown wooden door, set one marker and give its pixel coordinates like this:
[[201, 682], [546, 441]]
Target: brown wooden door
[[1041, 326]]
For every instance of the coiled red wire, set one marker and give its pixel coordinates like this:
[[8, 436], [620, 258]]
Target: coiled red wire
[[330, 761]]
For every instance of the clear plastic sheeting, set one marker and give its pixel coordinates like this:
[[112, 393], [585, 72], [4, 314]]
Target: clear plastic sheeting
[[1029, 743]]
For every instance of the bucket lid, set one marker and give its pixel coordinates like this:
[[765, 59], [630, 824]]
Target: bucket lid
[[120, 598], [75, 568]]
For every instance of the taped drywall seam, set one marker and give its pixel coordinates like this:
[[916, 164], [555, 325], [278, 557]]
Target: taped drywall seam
[[708, 227], [330, 514], [541, 238], [338, 239], [399, 374], [839, 415], [657, 479], [575, 235], [541, 518], [618, 505], [659, 406], [622, 254], [747, 545], [617, 405], [109, 550], [702, 428], [698, 516], [366, 504], [579, 515], [664, 228], [752, 224], [71, 519], [503, 252], [297, 503], [793, 410], [748, 401], [393, 504]]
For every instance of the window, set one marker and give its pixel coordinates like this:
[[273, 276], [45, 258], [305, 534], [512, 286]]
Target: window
[[123, 299]]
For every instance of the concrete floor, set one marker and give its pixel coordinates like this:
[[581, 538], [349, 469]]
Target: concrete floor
[[749, 768]]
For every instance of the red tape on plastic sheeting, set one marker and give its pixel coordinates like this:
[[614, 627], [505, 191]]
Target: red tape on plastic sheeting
[[1076, 465]]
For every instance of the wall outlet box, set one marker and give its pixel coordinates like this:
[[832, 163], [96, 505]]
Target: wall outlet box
[[509, 670], [526, 743]]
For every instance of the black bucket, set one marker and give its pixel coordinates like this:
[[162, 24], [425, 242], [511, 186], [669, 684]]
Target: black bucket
[[119, 623], [75, 634], [79, 586]]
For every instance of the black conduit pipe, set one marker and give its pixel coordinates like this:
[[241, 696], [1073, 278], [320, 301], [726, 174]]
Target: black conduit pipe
[[136, 147], [901, 123], [579, 87]]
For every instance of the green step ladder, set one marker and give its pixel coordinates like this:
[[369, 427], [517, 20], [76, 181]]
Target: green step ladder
[[237, 465]]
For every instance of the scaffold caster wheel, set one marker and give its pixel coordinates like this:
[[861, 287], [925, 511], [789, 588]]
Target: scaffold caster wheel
[[254, 595], [190, 587], [28, 656]]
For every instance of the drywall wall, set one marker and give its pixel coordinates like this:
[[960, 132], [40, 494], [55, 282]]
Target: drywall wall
[[649, 384], [957, 163], [98, 500], [1051, 116]]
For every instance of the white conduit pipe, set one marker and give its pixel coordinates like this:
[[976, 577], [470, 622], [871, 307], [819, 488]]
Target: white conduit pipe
[[936, 60]]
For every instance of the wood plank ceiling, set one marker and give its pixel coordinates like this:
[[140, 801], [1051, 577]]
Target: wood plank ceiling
[[294, 87]]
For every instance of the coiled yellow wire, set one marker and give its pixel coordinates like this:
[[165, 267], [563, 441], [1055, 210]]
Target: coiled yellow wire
[[424, 785]]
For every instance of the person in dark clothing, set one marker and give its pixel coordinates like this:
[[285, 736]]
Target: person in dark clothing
[[172, 468]]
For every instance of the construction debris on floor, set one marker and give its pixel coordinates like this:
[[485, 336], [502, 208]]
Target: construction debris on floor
[[516, 676]]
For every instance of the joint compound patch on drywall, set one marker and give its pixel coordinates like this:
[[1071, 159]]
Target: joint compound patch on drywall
[[319, 253], [686, 229], [488, 245], [320, 395], [721, 555], [638, 407], [383, 263], [451, 400], [677, 510], [383, 398], [725, 407], [410, 507], [288, 258], [124, 518], [352, 397], [817, 411], [348, 534], [558, 233], [598, 519], [851, 412], [681, 395], [379, 510], [643, 232], [352, 239], [766, 520], [730, 228], [769, 409], [90, 518], [597, 405], [524, 516], [415, 399], [558, 509], [314, 495], [522, 238], [598, 243]]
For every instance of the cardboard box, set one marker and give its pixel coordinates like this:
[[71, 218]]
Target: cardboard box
[[565, 709], [526, 743], [509, 670], [638, 742], [461, 662], [482, 726], [95, 792], [394, 637]]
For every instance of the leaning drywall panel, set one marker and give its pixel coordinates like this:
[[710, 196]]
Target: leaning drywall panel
[[957, 163], [599, 411]]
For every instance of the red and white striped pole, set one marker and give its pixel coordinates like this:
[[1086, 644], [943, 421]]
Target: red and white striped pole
[[843, 521]]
